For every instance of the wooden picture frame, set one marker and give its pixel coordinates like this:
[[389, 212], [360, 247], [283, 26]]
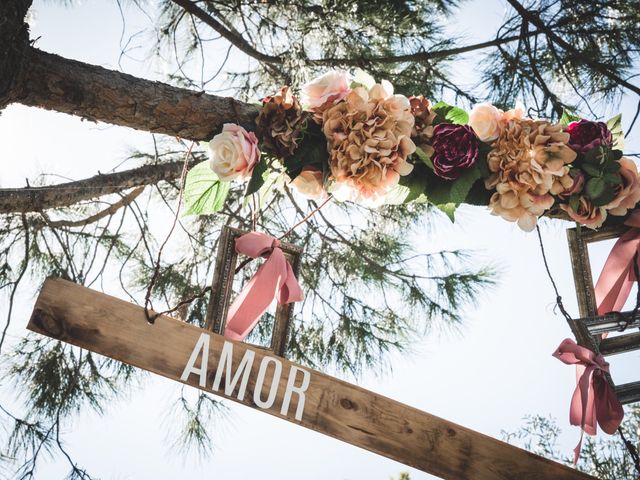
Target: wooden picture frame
[[222, 289], [588, 330]]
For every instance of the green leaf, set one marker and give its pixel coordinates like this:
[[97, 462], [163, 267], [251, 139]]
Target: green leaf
[[397, 195], [611, 166], [574, 202], [450, 114], [612, 178], [595, 188], [449, 209], [259, 175], [591, 170], [615, 127], [204, 193], [422, 155], [608, 195], [568, 117], [596, 156], [409, 189], [462, 186]]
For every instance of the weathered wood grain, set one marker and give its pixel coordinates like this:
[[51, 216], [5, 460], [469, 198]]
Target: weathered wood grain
[[118, 329]]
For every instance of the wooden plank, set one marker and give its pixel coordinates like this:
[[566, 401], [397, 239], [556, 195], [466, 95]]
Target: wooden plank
[[174, 349]]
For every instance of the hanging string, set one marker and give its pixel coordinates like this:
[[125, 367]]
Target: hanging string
[[304, 220], [631, 448], [151, 318], [156, 270], [633, 452], [559, 303]]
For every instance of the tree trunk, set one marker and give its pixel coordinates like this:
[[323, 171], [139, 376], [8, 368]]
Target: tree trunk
[[14, 39], [95, 93]]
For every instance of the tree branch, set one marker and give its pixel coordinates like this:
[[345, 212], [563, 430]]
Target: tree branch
[[36, 199], [232, 36], [239, 42], [110, 210], [603, 69], [98, 94]]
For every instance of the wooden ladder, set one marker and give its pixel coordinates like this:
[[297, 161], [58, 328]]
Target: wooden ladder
[[589, 329]]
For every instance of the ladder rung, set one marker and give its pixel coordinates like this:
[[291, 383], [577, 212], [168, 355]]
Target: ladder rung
[[610, 322], [628, 393], [620, 344]]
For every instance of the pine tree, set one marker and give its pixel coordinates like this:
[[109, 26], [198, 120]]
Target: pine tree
[[358, 263]]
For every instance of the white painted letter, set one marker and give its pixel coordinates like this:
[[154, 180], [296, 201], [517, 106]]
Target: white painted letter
[[230, 380], [306, 378], [275, 381], [202, 346]]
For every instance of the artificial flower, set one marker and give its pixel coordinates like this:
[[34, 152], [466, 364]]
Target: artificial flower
[[233, 153], [455, 149], [576, 186], [516, 113], [587, 213], [628, 192], [485, 119], [369, 140], [528, 164], [280, 123], [524, 209], [322, 92], [585, 135], [423, 127], [309, 183]]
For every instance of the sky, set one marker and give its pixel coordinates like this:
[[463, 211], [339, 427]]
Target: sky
[[488, 376]]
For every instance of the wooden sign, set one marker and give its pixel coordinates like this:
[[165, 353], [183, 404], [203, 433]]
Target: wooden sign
[[264, 381]]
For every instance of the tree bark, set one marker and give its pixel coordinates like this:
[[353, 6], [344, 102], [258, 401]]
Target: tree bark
[[37, 199], [14, 39], [98, 94]]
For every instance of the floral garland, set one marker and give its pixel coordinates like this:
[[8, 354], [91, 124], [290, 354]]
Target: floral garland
[[356, 140]]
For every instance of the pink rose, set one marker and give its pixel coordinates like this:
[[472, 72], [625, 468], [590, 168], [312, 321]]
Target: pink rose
[[325, 90], [485, 119], [587, 214], [233, 153], [628, 194], [309, 183]]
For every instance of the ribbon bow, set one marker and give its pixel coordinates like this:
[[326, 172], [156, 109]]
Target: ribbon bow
[[594, 400], [618, 274], [274, 279]]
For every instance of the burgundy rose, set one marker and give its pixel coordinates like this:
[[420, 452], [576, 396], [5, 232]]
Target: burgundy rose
[[455, 149], [585, 135]]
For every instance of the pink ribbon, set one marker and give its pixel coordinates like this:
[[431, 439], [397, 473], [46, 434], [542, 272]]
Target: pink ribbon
[[618, 275], [594, 400], [274, 279]]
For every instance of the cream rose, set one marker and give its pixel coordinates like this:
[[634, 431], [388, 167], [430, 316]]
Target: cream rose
[[485, 119], [325, 90], [233, 153], [309, 183]]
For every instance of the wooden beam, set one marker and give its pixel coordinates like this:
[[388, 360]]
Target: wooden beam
[[254, 377]]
